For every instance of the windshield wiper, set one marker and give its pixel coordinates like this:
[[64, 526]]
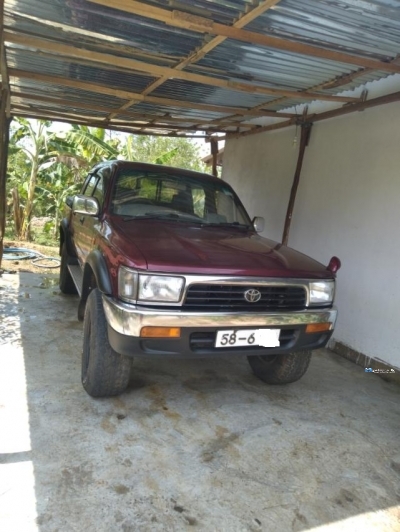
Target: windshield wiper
[[174, 217], [226, 224], [153, 216], [170, 216]]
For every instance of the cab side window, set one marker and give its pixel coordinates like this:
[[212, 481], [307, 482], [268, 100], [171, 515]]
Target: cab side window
[[85, 184], [98, 192], [101, 185], [90, 185]]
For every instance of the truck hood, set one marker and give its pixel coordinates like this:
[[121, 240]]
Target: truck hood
[[183, 248]]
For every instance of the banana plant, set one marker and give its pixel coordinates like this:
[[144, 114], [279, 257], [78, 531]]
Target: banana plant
[[31, 139]]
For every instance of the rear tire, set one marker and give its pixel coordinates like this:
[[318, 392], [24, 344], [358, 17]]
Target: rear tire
[[280, 369], [104, 372], [66, 283]]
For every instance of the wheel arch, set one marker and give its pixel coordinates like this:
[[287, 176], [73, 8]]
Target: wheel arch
[[95, 275], [66, 237], [96, 267]]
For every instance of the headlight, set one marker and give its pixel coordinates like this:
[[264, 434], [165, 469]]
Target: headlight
[[322, 292], [127, 283], [160, 288], [133, 286]]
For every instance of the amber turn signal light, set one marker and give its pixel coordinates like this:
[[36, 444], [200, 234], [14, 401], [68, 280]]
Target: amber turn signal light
[[318, 327], [160, 332]]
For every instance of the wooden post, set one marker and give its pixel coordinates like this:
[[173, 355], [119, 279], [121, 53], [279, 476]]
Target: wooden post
[[5, 120], [214, 153], [304, 139], [4, 138]]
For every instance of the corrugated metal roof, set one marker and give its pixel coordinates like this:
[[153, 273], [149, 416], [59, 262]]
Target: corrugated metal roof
[[30, 61], [199, 93], [55, 47], [368, 28], [271, 67]]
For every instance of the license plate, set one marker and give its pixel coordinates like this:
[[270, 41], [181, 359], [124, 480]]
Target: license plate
[[248, 337]]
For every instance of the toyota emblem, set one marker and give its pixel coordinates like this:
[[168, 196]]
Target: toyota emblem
[[252, 295]]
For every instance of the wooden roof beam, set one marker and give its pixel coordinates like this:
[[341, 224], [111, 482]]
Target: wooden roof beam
[[246, 18], [100, 40], [348, 78], [335, 83], [157, 119], [360, 106], [167, 127], [130, 95], [76, 53], [198, 24], [79, 120]]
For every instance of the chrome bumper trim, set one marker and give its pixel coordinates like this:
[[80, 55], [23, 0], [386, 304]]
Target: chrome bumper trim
[[129, 319]]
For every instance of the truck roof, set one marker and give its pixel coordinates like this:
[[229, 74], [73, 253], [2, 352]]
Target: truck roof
[[157, 168]]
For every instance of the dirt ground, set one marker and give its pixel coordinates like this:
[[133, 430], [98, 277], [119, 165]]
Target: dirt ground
[[26, 265]]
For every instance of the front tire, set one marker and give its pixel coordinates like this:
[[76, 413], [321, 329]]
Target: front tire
[[104, 372], [66, 283], [280, 369]]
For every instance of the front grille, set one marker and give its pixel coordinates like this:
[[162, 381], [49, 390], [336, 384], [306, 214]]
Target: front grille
[[217, 297], [201, 341]]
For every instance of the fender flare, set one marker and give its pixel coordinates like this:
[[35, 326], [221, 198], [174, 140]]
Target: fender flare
[[65, 237], [95, 265]]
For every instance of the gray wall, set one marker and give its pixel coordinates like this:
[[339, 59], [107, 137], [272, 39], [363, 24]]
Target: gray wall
[[348, 205]]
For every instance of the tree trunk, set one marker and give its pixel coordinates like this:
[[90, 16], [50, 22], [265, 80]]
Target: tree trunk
[[18, 213], [26, 225]]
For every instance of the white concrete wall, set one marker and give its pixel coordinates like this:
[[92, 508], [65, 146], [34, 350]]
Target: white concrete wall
[[348, 204]]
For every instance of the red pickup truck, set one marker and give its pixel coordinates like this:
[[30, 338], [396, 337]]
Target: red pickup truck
[[168, 263]]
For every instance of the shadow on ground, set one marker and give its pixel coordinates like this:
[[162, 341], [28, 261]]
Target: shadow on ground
[[191, 444]]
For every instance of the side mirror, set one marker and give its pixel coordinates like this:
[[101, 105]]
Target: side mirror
[[86, 205], [69, 201], [334, 264], [258, 224]]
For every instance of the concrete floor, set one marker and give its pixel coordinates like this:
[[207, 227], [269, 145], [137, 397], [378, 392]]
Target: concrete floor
[[192, 444]]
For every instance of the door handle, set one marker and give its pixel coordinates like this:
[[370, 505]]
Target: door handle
[[82, 219]]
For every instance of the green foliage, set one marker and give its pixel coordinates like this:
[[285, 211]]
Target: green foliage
[[171, 151], [90, 144], [45, 238], [45, 167]]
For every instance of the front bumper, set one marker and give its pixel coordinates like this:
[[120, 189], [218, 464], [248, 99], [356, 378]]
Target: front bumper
[[197, 329]]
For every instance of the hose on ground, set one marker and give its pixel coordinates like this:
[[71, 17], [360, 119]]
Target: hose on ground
[[26, 254]]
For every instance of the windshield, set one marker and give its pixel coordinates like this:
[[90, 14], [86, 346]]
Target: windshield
[[149, 194]]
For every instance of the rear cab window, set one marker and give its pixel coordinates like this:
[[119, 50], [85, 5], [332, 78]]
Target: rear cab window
[[139, 193]]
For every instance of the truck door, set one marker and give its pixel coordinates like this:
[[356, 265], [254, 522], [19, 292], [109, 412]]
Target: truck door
[[80, 222], [91, 224]]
